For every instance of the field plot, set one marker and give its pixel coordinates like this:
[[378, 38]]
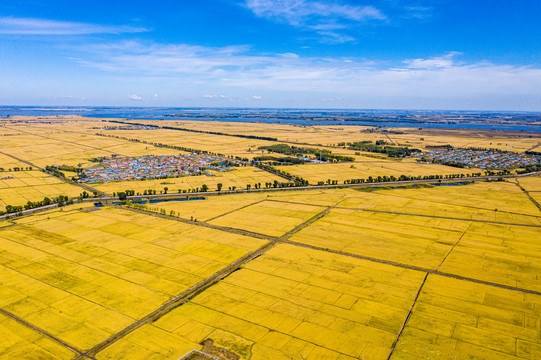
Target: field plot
[[532, 184], [227, 145], [291, 303], [83, 276], [211, 207], [20, 342], [507, 141], [406, 239], [503, 196], [334, 134], [321, 197], [50, 146], [32, 186], [345, 171], [269, 218], [314, 135], [438, 201], [239, 177], [460, 320], [216, 206], [503, 254], [7, 163]]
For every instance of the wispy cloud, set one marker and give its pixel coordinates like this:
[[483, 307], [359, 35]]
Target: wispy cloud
[[32, 26], [237, 67], [214, 96], [135, 97], [445, 61], [324, 18]]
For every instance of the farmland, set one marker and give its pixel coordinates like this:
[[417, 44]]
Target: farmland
[[18, 187], [335, 134], [99, 271], [379, 271], [346, 171]]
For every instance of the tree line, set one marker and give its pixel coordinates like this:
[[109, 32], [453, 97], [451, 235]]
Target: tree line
[[322, 154], [382, 148], [199, 131], [61, 200]]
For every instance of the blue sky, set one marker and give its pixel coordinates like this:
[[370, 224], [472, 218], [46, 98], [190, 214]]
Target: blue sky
[[413, 54]]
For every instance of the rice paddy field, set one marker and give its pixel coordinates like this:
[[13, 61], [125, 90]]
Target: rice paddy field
[[83, 276], [457, 320], [362, 170], [18, 187], [290, 304], [335, 134], [228, 145], [396, 272], [70, 144]]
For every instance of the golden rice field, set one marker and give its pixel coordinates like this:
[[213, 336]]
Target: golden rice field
[[211, 207], [400, 238], [32, 186], [503, 254], [362, 170], [504, 196], [291, 303], [455, 319], [497, 202], [337, 281], [334, 134], [83, 276], [217, 206], [267, 217], [228, 145], [20, 342], [238, 177], [532, 184], [50, 146], [7, 163]]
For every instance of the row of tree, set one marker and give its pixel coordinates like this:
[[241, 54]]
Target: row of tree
[[391, 151], [322, 154], [17, 168], [200, 131], [61, 200]]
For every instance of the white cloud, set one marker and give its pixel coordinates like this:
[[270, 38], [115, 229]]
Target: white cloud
[[214, 96], [325, 18], [240, 71], [135, 97], [32, 26], [298, 12], [256, 97], [433, 63]]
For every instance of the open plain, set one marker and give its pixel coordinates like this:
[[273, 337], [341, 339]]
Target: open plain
[[421, 270]]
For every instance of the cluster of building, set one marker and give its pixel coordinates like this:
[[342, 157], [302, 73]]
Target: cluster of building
[[117, 168], [483, 159], [130, 127]]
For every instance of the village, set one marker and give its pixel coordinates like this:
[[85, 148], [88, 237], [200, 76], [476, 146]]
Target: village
[[119, 168], [483, 159]]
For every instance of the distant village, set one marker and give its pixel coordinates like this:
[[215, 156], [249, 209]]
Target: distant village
[[129, 127], [480, 158], [119, 168]]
